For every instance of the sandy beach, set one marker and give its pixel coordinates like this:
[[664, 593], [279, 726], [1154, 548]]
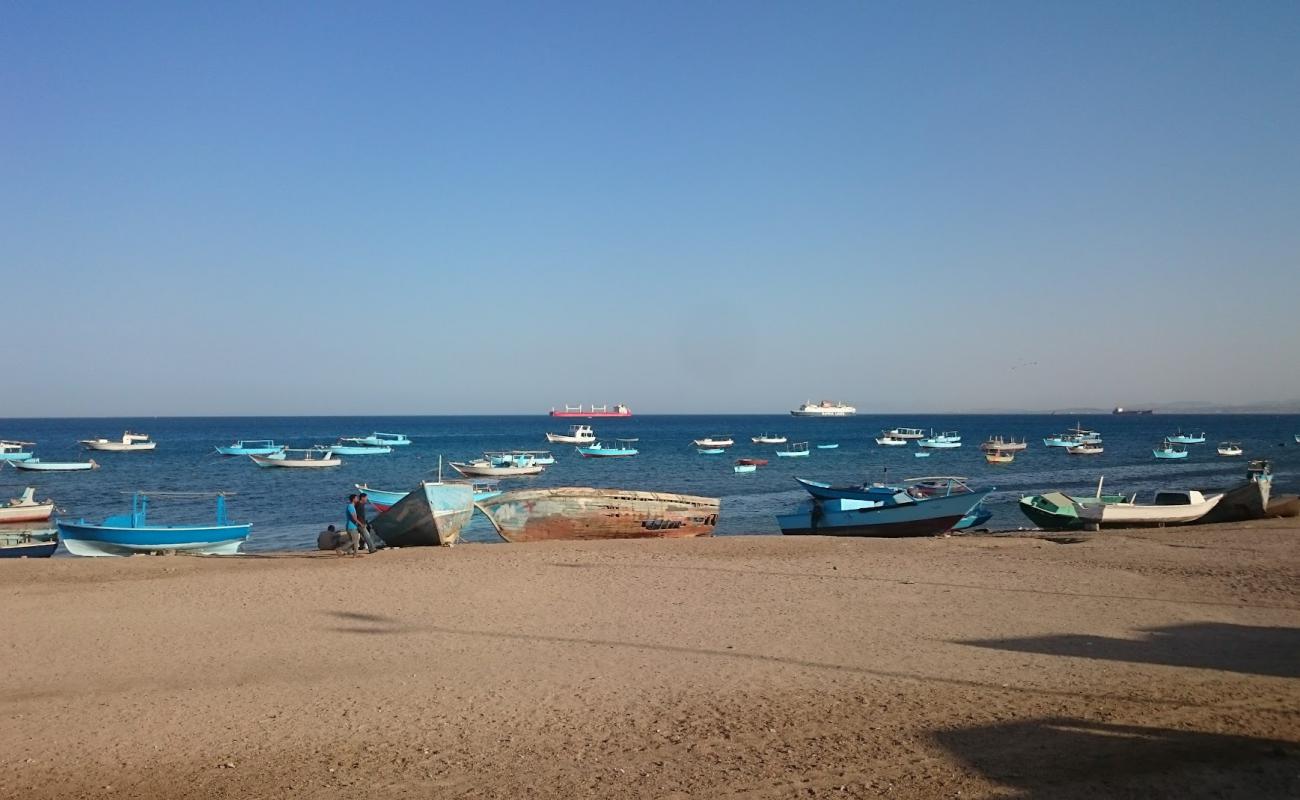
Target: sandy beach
[[1124, 664]]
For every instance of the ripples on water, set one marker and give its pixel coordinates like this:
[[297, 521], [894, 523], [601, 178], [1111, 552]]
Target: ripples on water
[[288, 507]]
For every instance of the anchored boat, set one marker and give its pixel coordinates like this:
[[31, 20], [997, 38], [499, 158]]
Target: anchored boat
[[1186, 438], [1090, 449], [26, 509], [251, 447], [794, 450], [1170, 450], [37, 465], [622, 448], [355, 447], [999, 456], [891, 440], [716, 441], [532, 515], [879, 510], [1230, 449], [578, 434], [432, 514], [126, 534], [130, 442], [378, 439], [15, 451], [299, 458], [905, 433], [768, 438], [1005, 445]]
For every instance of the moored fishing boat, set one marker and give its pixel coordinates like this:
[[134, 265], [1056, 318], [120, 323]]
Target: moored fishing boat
[[1230, 449], [15, 451], [251, 447], [431, 514], [768, 438], [37, 465], [890, 440], [594, 412], [752, 462], [380, 439], [715, 441], [1062, 440], [25, 508], [1168, 507], [299, 458], [794, 450], [1004, 444], [354, 447], [622, 448], [26, 541], [878, 510], [578, 434], [1248, 500], [974, 518], [999, 456], [488, 467], [1089, 449], [582, 513], [126, 534], [1170, 450], [828, 446], [744, 468], [130, 442], [543, 457], [906, 433], [826, 408], [940, 442], [1186, 438]]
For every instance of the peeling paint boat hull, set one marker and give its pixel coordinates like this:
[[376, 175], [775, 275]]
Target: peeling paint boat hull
[[432, 514], [533, 515]]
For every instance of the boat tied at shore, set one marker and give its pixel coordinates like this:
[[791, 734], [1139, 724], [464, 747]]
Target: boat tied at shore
[[432, 514]]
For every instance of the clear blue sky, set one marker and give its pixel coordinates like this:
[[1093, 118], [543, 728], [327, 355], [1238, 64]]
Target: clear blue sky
[[479, 207]]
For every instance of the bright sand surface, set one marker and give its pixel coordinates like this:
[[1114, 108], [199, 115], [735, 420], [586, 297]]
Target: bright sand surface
[[1133, 664]]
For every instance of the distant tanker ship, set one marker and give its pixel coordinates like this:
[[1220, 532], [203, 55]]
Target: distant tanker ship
[[1123, 410]]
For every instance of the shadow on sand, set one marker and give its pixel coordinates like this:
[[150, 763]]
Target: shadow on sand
[[1205, 645], [1073, 758]]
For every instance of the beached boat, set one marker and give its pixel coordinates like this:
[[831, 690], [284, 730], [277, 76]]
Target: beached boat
[[431, 514], [1186, 438], [890, 440], [936, 485], [1081, 449], [999, 456], [1004, 444], [877, 510], [383, 500], [768, 438], [585, 513], [37, 465], [353, 447], [794, 450], [299, 458], [752, 462], [126, 534], [578, 434], [1230, 449], [715, 441], [594, 412], [251, 447], [906, 433], [828, 446], [25, 541], [939, 443], [379, 439], [1170, 450], [744, 468], [974, 518], [710, 451], [1166, 508], [130, 442], [622, 448], [15, 451], [488, 467], [826, 408], [1247, 500], [26, 509], [1057, 511], [916, 487]]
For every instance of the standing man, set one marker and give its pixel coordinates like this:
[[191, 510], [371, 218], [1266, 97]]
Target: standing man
[[352, 522], [359, 512]]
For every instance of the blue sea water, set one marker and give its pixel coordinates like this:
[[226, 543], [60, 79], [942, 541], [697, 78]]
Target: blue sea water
[[288, 507]]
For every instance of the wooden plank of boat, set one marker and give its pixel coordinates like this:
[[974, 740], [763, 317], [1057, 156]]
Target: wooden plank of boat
[[532, 515], [432, 514]]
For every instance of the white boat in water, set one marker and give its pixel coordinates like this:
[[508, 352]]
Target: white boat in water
[[578, 434], [129, 442], [768, 438], [294, 458], [1166, 508], [826, 408], [1230, 449], [890, 439], [37, 465], [491, 468], [906, 433], [715, 441]]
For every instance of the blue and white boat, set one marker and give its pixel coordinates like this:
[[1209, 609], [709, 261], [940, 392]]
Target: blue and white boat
[[352, 447], [710, 451], [877, 510], [940, 442], [37, 465], [1170, 450], [432, 514], [828, 446], [378, 439], [126, 534], [622, 448], [1063, 440], [251, 447], [28, 541], [1186, 438], [795, 450], [520, 457], [15, 451]]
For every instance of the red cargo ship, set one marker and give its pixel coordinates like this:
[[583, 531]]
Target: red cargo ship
[[618, 410]]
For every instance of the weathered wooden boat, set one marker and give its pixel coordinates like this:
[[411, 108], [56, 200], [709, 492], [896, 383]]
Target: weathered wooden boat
[[126, 534], [905, 433], [25, 541], [383, 500], [768, 438], [744, 468], [1086, 449], [379, 439], [1230, 449], [710, 451], [578, 434], [1247, 500], [1057, 511], [37, 465], [353, 447], [251, 447], [26, 509], [794, 450], [752, 462], [1166, 508], [1170, 450], [1005, 444], [999, 456], [130, 442], [15, 451], [431, 514], [1186, 438], [299, 458], [532, 515], [879, 511], [890, 440], [828, 446], [715, 441], [595, 412], [621, 449]]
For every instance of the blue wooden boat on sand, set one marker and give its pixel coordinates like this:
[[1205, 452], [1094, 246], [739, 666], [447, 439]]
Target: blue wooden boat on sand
[[251, 447], [28, 541], [127, 534], [877, 510]]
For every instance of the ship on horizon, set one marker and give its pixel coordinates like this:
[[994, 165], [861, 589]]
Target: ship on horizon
[[826, 408], [594, 412], [1123, 410]]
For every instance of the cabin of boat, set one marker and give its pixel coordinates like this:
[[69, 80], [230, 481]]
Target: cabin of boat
[[794, 450], [578, 434], [906, 433], [15, 451], [128, 442], [37, 465]]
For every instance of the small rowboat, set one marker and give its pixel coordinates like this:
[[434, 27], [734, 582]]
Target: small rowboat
[[830, 446], [251, 447], [796, 450], [302, 458], [710, 451], [37, 465], [578, 434], [26, 509], [921, 454], [353, 447], [752, 462], [741, 468], [622, 449]]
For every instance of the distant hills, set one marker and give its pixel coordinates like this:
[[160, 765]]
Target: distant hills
[[1180, 407]]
